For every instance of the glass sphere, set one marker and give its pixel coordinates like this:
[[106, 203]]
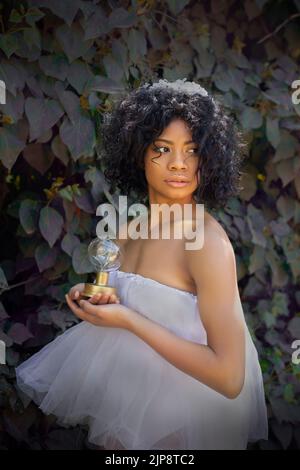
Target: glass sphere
[[105, 255]]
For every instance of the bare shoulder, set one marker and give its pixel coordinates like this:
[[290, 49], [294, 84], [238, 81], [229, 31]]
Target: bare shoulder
[[215, 255]]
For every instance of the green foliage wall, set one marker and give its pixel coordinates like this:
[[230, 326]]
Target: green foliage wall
[[62, 63]]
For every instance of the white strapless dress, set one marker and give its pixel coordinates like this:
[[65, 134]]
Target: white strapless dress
[[128, 395]]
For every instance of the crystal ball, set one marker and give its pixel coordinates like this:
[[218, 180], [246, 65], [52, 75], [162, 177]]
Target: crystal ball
[[105, 255]]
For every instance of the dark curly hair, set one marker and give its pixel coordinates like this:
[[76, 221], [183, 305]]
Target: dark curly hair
[[139, 117]]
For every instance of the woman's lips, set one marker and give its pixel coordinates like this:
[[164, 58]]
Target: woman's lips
[[177, 184]]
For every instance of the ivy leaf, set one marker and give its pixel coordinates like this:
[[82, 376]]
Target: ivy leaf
[[50, 224], [176, 6], [60, 150], [3, 281], [45, 257], [9, 43], [256, 224], [79, 136], [78, 75], [96, 25], [121, 18], [84, 201], [273, 133], [69, 243], [28, 213], [72, 41], [294, 327], [19, 333], [112, 68], [284, 431], [55, 66], [33, 15], [251, 118], [80, 260], [137, 44], [65, 9], [42, 114], [10, 147], [13, 79], [14, 106], [39, 156]]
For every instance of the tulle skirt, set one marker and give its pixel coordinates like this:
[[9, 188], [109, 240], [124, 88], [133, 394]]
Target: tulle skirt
[[129, 396]]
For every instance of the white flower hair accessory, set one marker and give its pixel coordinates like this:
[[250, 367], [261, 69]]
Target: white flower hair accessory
[[191, 88]]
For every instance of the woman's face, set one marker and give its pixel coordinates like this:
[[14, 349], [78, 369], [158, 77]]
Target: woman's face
[[171, 164]]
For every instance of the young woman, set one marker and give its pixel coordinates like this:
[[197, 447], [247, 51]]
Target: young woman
[[170, 363]]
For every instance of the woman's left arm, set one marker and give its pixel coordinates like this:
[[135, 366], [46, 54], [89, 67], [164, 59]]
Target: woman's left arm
[[220, 364]]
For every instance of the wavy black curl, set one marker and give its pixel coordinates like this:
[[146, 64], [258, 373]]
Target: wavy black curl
[[138, 118]]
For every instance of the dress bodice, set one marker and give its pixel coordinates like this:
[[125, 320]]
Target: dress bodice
[[173, 308]]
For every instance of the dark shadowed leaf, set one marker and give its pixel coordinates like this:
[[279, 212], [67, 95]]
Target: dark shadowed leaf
[[96, 25], [294, 327], [78, 75], [72, 41], [256, 222], [137, 45], [39, 156], [9, 43], [29, 214], [79, 136], [121, 18], [54, 66], [3, 280], [42, 114], [10, 74], [251, 118], [50, 223], [69, 243], [273, 132], [10, 147], [80, 260], [65, 10], [19, 333], [14, 106], [176, 6], [45, 256], [85, 202], [60, 150]]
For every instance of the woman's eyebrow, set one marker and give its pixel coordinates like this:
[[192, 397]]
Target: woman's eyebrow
[[170, 141]]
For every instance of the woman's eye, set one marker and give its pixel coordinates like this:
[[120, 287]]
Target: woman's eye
[[157, 149]]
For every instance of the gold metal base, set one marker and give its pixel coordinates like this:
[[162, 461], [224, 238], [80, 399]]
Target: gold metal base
[[92, 289]]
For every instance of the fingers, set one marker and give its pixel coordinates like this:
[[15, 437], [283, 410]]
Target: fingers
[[75, 291], [103, 298], [78, 311], [114, 299], [74, 294]]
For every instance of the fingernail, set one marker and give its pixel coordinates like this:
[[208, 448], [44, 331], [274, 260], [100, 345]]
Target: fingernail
[[81, 302]]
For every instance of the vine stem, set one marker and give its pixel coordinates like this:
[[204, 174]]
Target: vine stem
[[279, 27], [17, 285]]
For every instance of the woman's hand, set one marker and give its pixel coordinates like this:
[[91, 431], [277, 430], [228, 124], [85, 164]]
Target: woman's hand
[[75, 293], [109, 315]]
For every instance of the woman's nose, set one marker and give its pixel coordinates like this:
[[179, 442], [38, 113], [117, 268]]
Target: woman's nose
[[177, 162]]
